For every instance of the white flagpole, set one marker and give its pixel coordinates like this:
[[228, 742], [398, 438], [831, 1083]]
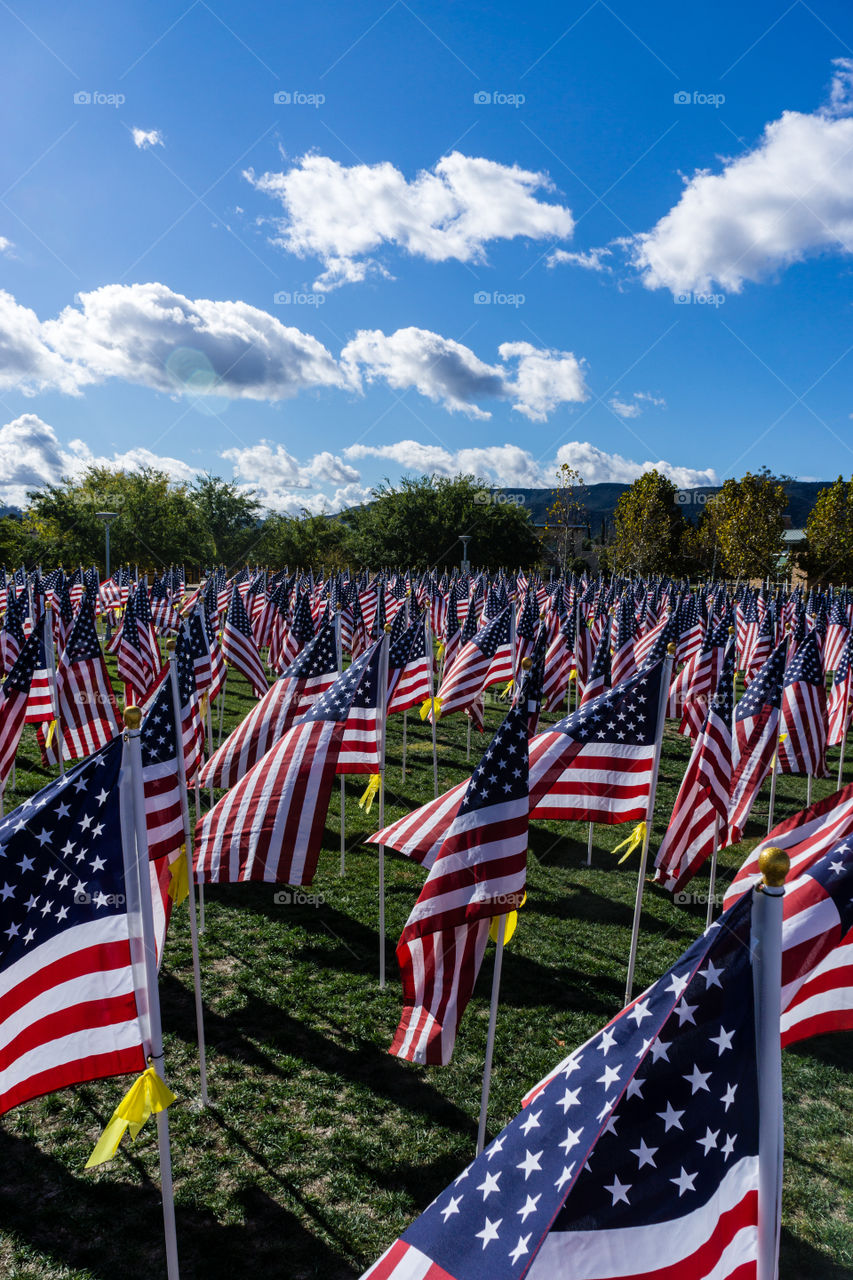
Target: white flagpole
[[405, 725], [342, 777], [133, 747], [843, 741], [650, 811], [712, 883], [171, 645], [432, 703], [222, 708], [50, 658], [383, 711], [808, 789], [767, 987], [490, 1040], [589, 845]]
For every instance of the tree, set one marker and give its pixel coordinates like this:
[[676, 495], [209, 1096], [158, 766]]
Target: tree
[[699, 553], [829, 534], [748, 517], [648, 526], [567, 511], [304, 542], [418, 523], [230, 516]]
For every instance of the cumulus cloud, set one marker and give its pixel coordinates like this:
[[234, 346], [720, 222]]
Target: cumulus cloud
[[284, 484], [27, 362], [450, 373], [634, 407], [148, 334], [7, 248], [342, 214], [787, 199], [512, 467], [144, 139], [31, 456]]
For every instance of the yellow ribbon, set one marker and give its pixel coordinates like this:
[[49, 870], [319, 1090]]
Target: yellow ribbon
[[147, 1095], [50, 734], [439, 653], [507, 689], [202, 704], [179, 884], [431, 704], [366, 801], [573, 675], [632, 842], [511, 923]]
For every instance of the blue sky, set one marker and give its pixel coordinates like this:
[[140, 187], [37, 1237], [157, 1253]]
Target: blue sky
[[308, 247]]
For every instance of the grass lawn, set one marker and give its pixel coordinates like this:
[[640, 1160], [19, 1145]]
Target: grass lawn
[[318, 1147]]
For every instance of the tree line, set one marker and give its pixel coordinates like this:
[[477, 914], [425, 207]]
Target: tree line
[[418, 523]]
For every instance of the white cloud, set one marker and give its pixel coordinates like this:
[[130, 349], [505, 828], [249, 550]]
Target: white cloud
[[448, 372], [590, 260], [284, 484], [634, 407], [788, 199], [27, 363], [7, 248], [144, 139], [342, 215], [148, 334], [513, 467]]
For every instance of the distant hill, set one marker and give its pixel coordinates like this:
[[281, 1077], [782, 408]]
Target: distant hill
[[602, 498]]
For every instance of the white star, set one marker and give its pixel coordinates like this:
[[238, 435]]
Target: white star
[[571, 1139], [698, 1080], [677, 985], [684, 1181], [530, 1163], [723, 1041], [659, 1050], [28, 936], [529, 1207], [671, 1117], [685, 1012], [489, 1184], [729, 1096], [611, 1074], [837, 867], [565, 1176], [451, 1207], [619, 1191], [489, 1232], [640, 1011], [635, 1088], [98, 864], [711, 975], [61, 913], [644, 1154], [569, 1099], [13, 931], [26, 864], [44, 836], [7, 891], [729, 1145], [520, 1249], [532, 1122], [608, 1039], [496, 1147], [709, 1141]]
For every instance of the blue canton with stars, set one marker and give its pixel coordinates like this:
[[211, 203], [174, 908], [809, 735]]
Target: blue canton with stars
[[318, 658], [495, 633], [61, 862], [357, 687], [638, 1126], [766, 688], [501, 774], [806, 666], [834, 873], [623, 716]]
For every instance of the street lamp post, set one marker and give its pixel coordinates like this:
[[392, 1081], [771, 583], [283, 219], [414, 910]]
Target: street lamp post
[[107, 517], [465, 538]]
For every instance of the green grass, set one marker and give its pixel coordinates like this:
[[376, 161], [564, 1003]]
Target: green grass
[[319, 1147]]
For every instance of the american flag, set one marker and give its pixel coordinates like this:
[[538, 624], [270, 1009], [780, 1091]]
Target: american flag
[[837, 634], [599, 677], [164, 615], [693, 687], [755, 738], [13, 704], [559, 658], [270, 825], [87, 705], [68, 1009], [623, 663], [840, 702], [698, 820], [638, 1157], [238, 644], [12, 634], [527, 630], [479, 873], [597, 764], [41, 706], [802, 740], [466, 679], [163, 804], [409, 669], [299, 633], [419, 834], [133, 657], [310, 675], [760, 650]]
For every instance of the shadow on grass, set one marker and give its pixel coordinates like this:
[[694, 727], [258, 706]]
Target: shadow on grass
[[108, 1228]]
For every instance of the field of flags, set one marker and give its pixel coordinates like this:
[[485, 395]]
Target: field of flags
[[456, 751]]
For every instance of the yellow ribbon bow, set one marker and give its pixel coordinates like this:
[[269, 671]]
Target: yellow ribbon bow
[[507, 689], [439, 653], [147, 1095], [50, 734], [431, 704], [366, 801], [632, 842], [179, 883]]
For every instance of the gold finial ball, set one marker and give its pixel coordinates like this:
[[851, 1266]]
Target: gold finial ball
[[387, 628], [133, 717], [526, 663], [171, 644], [774, 865], [670, 648]]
